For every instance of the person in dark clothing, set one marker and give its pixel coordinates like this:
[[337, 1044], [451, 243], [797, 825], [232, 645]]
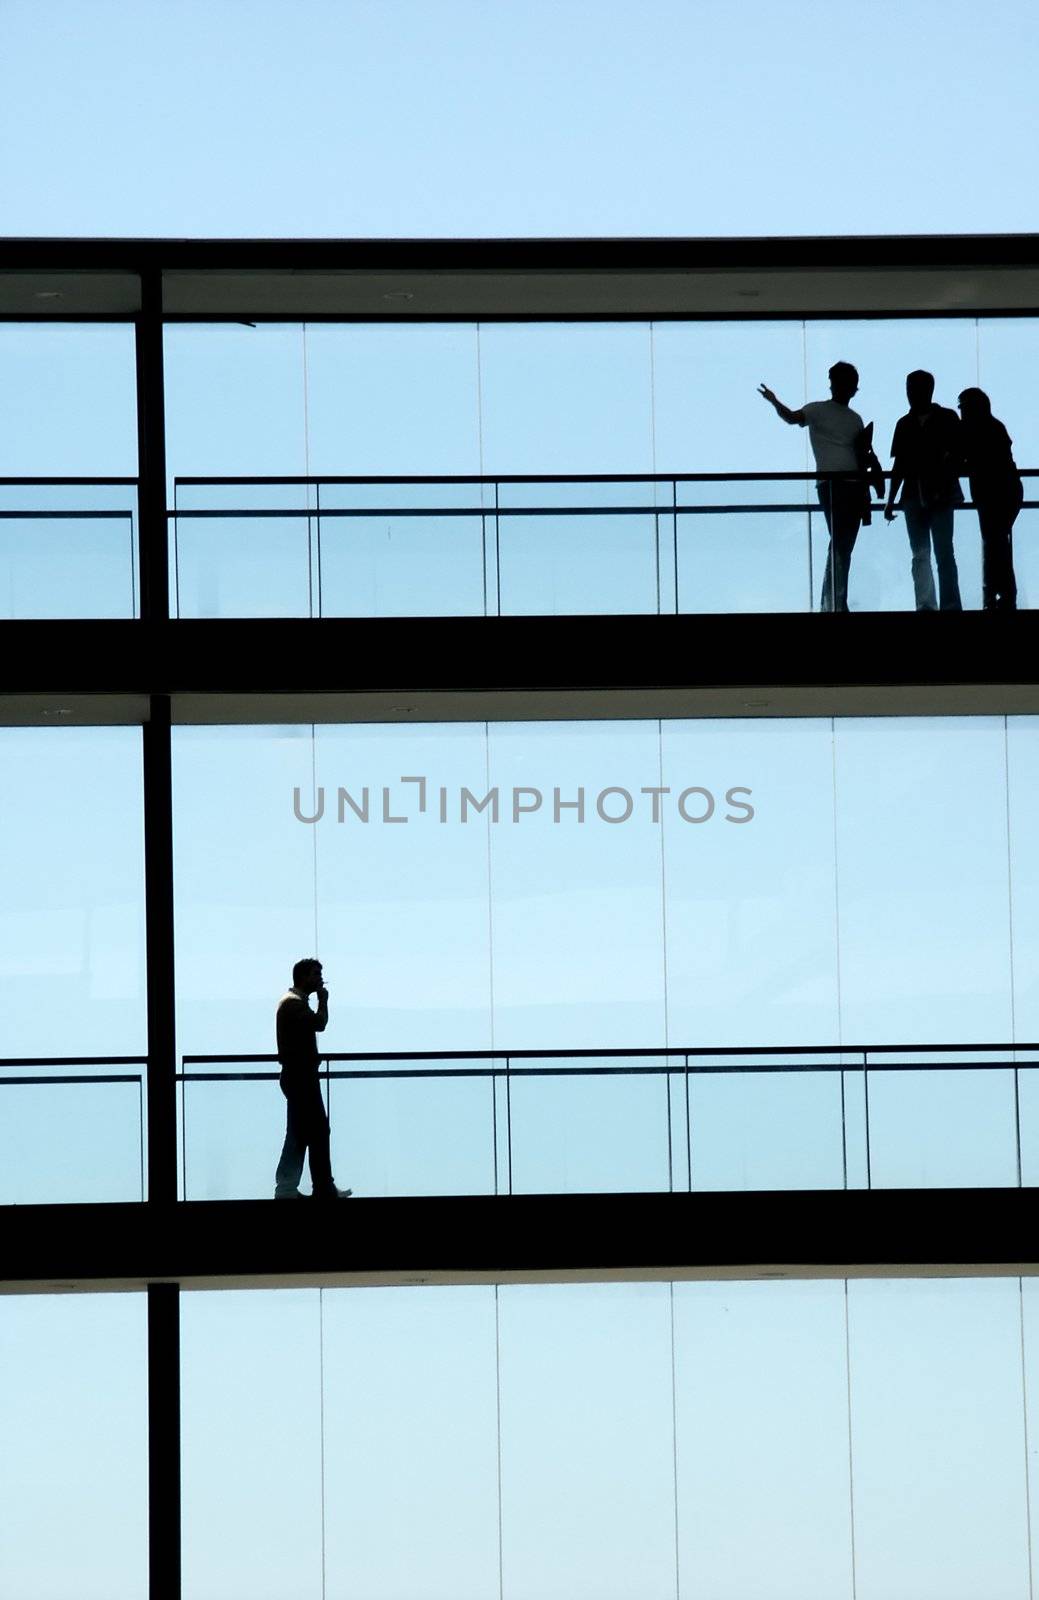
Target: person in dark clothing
[[997, 492], [306, 1121], [927, 450]]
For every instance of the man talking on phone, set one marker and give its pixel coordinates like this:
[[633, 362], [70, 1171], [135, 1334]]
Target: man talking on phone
[[306, 1122]]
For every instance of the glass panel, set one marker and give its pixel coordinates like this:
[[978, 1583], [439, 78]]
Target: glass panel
[[98, 1129], [74, 1463], [937, 1439], [1028, 1305], [601, 1135], [68, 551], [1028, 1101], [566, 397], [71, 959], [232, 1136], [1025, 545], [251, 1444], [1008, 351], [578, 928], [429, 564], [766, 1130], [244, 880], [751, 931], [749, 561], [68, 397], [942, 1130], [403, 908], [762, 1441], [571, 565], [393, 566], [1022, 769], [708, 414], [414, 1136], [922, 880], [385, 398], [234, 400], [244, 550], [587, 1442], [410, 1429]]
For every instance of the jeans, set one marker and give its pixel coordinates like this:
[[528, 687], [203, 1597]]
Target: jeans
[[999, 586], [841, 501], [927, 526], [306, 1128]]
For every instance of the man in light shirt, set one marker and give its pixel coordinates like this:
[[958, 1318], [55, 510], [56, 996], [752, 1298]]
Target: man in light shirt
[[837, 437]]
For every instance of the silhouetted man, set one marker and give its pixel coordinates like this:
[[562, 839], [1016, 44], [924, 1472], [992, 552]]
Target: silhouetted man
[[927, 450], [306, 1122], [836, 435]]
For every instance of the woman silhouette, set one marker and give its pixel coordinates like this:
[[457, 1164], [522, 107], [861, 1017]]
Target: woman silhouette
[[997, 492]]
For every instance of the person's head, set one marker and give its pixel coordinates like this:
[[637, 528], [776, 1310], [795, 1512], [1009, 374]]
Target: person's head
[[920, 390], [975, 406], [844, 381], [306, 975]]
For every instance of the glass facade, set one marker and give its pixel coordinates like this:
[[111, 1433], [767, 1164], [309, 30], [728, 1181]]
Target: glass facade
[[800, 955], [74, 1461], [498, 400], [782, 1439], [73, 1034], [68, 398], [488, 401], [860, 888]]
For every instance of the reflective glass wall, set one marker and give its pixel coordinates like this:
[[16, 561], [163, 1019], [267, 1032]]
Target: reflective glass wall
[[500, 399], [703, 886], [74, 1461], [73, 1032], [790, 1440], [69, 402]]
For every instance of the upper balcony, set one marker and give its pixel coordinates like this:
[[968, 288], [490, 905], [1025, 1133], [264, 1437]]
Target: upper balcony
[[369, 430]]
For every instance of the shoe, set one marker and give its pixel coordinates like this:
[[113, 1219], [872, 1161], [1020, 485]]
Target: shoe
[[287, 1194], [332, 1194]]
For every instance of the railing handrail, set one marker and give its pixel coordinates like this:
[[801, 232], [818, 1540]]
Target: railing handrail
[[73, 1061], [702, 1059], [490, 479], [588, 1052], [62, 482], [41, 1079]]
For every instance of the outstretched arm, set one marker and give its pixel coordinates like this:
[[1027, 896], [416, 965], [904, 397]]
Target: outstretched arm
[[783, 411]]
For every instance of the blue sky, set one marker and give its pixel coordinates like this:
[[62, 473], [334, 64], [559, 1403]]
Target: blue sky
[[546, 117]]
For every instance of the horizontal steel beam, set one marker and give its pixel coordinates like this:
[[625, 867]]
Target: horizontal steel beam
[[568, 279], [511, 668], [525, 1238]]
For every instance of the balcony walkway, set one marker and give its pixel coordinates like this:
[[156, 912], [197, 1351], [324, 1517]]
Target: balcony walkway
[[473, 668], [522, 1239]]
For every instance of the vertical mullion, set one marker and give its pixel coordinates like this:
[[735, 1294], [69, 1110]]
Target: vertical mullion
[[153, 529], [158, 917], [164, 1488]]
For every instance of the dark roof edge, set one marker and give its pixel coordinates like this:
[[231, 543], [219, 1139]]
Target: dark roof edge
[[582, 254]]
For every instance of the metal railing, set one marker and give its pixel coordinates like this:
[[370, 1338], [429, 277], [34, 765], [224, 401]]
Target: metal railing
[[855, 1069], [465, 546], [662, 576], [680, 1067], [38, 579], [11, 1077]]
